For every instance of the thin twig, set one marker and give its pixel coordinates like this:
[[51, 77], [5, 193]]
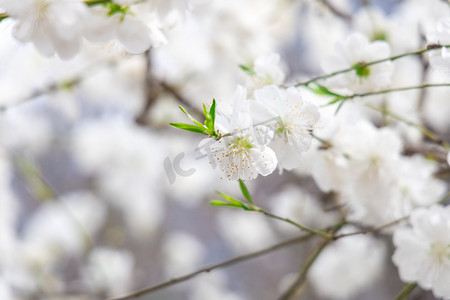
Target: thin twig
[[180, 98], [405, 291], [391, 90], [425, 131], [321, 233], [59, 85], [152, 91], [370, 230], [362, 65], [375, 229], [213, 267], [293, 289], [337, 12]]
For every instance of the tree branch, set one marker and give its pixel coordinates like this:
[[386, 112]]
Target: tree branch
[[386, 91], [336, 11], [406, 291], [362, 65], [152, 91], [293, 289], [300, 226], [213, 267]]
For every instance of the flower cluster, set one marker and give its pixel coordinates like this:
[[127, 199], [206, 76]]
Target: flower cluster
[[97, 191], [58, 26], [273, 128]]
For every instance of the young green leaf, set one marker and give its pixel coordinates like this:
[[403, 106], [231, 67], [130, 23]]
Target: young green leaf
[[210, 117], [229, 198], [245, 191], [321, 90], [222, 203], [191, 117], [335, 100], [247, 69], [208, 122], [212, 111], [234, 202], [339, 107], [205, 111], [189, 127]]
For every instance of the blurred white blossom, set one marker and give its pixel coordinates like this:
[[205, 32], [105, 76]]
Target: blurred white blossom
[[295, 120], [109, 270], [53, 26], [241, 155], [354, 52], [348, 266], [422, 251], [267, 70]]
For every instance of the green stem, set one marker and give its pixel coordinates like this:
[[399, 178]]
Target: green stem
[[362, 65], [208, 269], [420, 127], [405, 291], [300, 226], [422, 86]]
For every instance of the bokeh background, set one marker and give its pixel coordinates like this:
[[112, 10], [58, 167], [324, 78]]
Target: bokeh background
[[92, 201]]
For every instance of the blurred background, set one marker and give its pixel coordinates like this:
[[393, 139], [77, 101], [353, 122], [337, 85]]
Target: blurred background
[[99, 197]]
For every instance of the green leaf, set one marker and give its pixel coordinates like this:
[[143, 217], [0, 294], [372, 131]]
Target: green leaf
[[222, 203], [191, 117], [205, 111], [115, 8], [229, 198], [245, 191], [212, 111], [209, 122], [335, 100], [247, 69], [189, 127], [339, 107], [322, 90], [210, 117], [234, 202]]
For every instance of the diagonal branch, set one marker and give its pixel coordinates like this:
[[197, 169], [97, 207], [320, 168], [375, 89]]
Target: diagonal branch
[[362, 65], [293, 289], [226, 263], [337, 12]]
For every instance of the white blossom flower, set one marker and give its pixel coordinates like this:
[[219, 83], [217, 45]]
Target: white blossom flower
[[241, 155], [116, 151], [267, 70], [440, 59], [354, 52], [294, 121], [54, 230], [53, 26], [173, 11], [422, 251], [136, 31]]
